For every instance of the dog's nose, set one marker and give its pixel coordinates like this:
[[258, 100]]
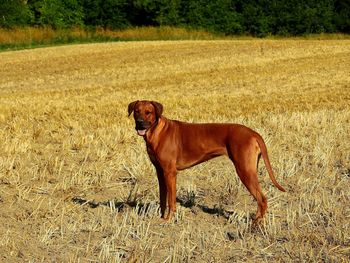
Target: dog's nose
[[140, 122]]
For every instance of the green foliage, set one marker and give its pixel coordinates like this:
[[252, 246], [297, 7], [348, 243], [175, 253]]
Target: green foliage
[[219, 16], [342, 19], [169, 13], [257, 20], [59, 13], [253, 17], [106, 13], [313, 17], [14, 13], [144, 12]]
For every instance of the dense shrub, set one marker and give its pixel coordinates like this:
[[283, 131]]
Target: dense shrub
[[14, 13], [253, 17]]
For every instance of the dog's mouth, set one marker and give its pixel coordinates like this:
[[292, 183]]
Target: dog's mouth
[[141, 129], [141, 132]]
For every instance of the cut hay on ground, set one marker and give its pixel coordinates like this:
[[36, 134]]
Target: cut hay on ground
[[76, 184]]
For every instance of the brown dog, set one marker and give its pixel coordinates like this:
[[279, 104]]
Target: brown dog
[[173, 145]]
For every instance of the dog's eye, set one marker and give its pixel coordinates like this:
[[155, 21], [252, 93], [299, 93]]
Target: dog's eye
[[148, 112]]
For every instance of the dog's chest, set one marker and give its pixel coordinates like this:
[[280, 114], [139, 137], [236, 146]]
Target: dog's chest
[[151, 153]]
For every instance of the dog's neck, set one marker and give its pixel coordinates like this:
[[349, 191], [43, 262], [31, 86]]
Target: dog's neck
[[154, 131]]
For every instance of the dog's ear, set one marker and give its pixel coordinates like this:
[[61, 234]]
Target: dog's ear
[[132, 106], [158, 107]]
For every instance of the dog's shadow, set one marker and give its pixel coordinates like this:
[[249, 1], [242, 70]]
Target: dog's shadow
[[215, 210], [144, 208], [118, 206]]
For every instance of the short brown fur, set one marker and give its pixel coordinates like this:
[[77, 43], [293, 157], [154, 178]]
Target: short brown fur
[[173, 145]]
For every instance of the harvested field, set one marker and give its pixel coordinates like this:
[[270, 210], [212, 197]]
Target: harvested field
[[76, 184]]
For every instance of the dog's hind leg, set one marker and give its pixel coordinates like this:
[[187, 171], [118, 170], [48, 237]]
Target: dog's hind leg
[[245, 157]]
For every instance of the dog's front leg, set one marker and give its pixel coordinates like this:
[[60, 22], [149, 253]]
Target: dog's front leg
[[162, 191], [170, 182]]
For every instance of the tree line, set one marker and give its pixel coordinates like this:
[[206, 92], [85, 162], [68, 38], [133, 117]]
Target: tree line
[[230, 17]]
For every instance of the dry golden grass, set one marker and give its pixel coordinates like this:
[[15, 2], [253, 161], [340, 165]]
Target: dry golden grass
[[157, 33], [76, 184], [41, 35], [30, 37]]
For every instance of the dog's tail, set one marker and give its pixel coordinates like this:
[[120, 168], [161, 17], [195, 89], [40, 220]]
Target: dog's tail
[[263, 150]]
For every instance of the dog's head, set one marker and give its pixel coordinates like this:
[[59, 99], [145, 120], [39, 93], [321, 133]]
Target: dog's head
[[146, 114]]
